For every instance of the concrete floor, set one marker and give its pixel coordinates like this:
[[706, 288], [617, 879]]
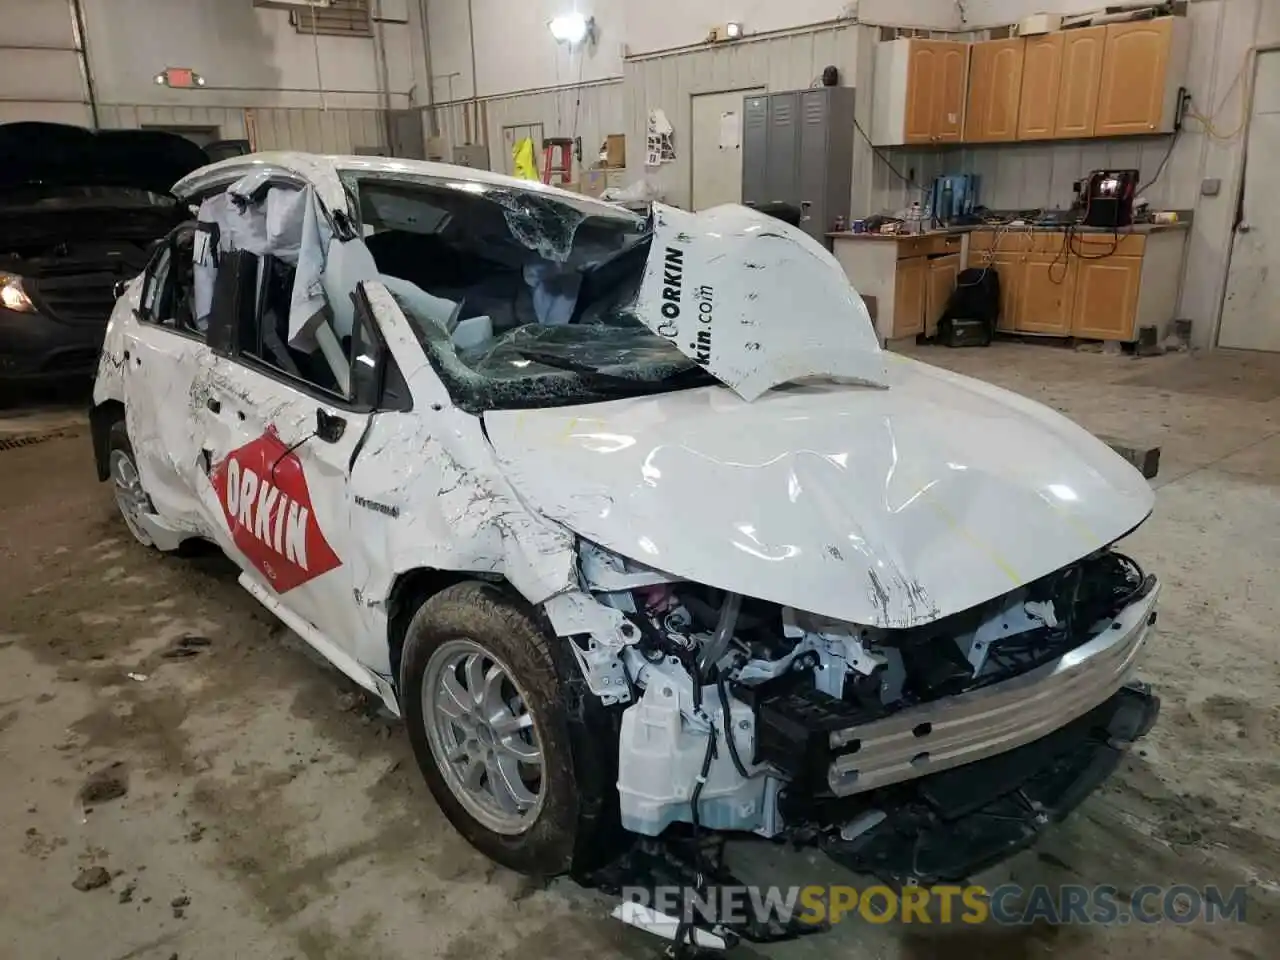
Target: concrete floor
[[298, 826]]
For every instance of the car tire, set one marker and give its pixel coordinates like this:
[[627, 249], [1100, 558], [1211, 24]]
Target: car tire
[[131, 498], [472, 630]]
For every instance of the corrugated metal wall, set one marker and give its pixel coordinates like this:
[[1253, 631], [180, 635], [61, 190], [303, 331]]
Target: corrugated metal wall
[[667, 82], [275, 128], [589, 112], [41, 71]]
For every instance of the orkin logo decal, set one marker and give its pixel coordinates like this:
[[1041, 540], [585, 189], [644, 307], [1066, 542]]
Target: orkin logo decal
[[265, 499], [672, 278]]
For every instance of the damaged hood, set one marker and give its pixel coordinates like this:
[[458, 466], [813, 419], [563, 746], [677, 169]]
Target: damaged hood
[[889, 508], [755, 301], [58, 155]]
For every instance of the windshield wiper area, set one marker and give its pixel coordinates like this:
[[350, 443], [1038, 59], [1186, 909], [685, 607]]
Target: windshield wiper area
[[693, 374]]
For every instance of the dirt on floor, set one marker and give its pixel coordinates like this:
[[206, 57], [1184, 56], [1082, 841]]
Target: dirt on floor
[[184, 778]]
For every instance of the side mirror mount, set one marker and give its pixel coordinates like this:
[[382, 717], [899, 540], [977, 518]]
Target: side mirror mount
[[329, 427]]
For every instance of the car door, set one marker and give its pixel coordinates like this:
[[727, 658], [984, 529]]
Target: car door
[[163, 355], [277, 446]]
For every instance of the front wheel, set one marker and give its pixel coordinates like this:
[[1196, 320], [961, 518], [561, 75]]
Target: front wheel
[[486, 711]]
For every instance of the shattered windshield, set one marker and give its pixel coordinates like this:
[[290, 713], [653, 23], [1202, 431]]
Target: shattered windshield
[[521, 296]]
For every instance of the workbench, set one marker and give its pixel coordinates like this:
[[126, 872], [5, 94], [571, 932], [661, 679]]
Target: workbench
[[1092, 282]]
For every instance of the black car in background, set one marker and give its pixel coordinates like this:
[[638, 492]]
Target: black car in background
[[79, 211]]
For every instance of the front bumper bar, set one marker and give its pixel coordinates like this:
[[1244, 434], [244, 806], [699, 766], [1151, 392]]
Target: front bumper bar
[[934, 737], [948, 827]]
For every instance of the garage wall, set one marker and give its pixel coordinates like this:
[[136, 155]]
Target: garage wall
[[1223, 33], [515, 52], [590, 112], [249, 56], [40, 66], [786, 58], [668, 82], [251, 59]]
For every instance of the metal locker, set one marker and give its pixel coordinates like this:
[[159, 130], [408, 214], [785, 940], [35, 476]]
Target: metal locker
[[798, 149], [783, 148], [825, 157], [755, 132]]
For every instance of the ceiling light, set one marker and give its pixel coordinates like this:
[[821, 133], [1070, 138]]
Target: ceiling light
[[571, 27], [733, 30]]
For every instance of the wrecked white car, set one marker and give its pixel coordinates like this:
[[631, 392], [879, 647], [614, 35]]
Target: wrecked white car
[[630, 519]]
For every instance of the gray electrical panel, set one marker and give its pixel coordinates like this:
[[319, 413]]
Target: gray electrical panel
[[797, 148]]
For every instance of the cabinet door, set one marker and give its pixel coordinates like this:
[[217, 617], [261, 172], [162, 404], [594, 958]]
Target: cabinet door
[[909, 296], [923, 58], [1082, 54], [952, 84], [1041, 77], [1131, 97], [942, 283], [1047, 295], [981, 63], [1009, 269], [1106, 298], [995, 87]]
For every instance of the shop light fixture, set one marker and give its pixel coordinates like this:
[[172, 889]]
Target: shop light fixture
[[572, 28]]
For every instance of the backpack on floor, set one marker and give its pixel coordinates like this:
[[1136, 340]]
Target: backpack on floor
[[973, 310]]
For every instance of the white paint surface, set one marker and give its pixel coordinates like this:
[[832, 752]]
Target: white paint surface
[[756, 301], [1249, 317], [887, 507]]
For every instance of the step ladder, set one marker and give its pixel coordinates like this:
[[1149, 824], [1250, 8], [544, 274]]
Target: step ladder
[[557, 160]]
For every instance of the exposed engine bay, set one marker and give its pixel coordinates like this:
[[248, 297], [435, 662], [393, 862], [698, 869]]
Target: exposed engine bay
[[760, 717], [919, 755]]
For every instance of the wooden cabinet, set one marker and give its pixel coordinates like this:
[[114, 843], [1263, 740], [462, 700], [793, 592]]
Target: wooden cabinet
[[1044, 306], [921, 87], [1103, 287], [1041, 77], [909, 297], [1077, 100], [942, 283], [1117, 79], [1139, 90], [949, 93], [1106, 298], [1008, 267], [995, 88], [923, 79]]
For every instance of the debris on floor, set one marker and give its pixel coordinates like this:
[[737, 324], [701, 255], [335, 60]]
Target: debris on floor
[[91, 878], [184, 648], [109, 783]]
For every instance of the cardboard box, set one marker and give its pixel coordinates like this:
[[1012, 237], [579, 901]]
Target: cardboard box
[[615, 150]]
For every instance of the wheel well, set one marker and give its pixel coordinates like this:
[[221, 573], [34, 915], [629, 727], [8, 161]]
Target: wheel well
[[411, 589], [101, 419]]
